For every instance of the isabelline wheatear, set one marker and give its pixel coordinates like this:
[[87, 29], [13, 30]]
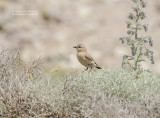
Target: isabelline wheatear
[[84, 58]]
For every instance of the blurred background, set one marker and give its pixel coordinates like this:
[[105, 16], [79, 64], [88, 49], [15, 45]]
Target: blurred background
[[50, 28]]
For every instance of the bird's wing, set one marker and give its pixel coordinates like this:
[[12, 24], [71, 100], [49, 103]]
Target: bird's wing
[[87, 56], [90, 58]]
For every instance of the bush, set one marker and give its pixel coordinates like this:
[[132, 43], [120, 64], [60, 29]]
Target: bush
[[26, 91], [109, 93], [17, 91]]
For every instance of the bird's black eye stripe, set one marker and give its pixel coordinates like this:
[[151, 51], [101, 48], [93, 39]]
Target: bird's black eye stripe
[[79, 47]]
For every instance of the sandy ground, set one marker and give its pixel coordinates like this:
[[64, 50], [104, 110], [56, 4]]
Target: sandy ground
[[61, 24]]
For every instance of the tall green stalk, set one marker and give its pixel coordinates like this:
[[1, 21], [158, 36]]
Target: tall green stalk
[[137, 43]]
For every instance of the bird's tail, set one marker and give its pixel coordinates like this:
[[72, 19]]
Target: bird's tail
[[98, 67]]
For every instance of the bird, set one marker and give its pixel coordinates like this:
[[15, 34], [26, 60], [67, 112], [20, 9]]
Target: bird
[[85, 58]]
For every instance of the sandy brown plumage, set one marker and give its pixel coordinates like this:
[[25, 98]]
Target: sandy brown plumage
[[85, 58]]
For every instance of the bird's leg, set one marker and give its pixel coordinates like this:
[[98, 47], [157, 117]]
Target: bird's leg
[[90, 69], [85, 69]]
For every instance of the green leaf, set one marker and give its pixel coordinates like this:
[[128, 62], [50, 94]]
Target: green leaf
[[142, 60], [132, 58]]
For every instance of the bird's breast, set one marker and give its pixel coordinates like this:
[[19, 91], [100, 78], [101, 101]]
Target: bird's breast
[[83, 60]]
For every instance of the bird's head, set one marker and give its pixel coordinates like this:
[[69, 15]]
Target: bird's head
[[80, 48]]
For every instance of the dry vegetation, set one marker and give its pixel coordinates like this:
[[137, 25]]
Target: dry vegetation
[[26, 91], [18, 90]]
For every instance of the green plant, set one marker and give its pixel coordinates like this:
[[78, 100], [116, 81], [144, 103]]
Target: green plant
[[136, 42], [1, 112]]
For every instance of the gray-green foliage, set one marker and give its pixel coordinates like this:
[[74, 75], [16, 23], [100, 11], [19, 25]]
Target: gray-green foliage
[[136, 42], [106, 93], [84, 93]]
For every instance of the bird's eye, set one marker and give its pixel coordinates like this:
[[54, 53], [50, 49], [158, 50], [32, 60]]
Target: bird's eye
[[79, 47]]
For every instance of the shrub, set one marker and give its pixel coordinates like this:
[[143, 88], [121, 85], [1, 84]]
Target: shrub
[[101, 94], [17, 91], [98, 105], [137, 43], [108, 93]]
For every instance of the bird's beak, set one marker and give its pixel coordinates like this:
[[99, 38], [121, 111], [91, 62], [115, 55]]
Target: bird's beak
[[74, 46]]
